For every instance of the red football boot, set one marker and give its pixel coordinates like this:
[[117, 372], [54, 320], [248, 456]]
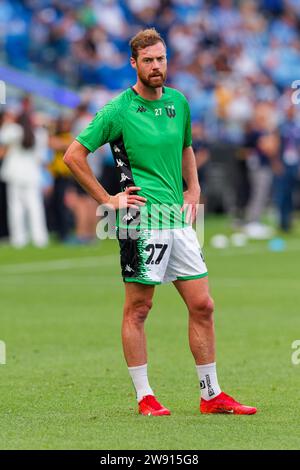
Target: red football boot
[[149, 406], [223, 403]]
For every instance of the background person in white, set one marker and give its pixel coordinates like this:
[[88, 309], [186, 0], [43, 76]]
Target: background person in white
[[21, 170]]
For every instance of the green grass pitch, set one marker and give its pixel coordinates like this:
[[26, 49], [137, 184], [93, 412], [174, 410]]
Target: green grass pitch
[[65, 384]]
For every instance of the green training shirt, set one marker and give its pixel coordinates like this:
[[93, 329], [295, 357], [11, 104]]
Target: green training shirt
[[147, 138]]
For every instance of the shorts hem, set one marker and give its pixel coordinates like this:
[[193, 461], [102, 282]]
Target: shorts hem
[[188, 278], [141, 281]]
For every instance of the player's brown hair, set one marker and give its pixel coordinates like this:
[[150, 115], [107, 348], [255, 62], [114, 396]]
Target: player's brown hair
[[143, 39]]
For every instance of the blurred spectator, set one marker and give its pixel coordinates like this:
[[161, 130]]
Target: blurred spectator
[[263, 148], [59, 215], [21, 170], [242, 180], [3, 202], [201, 150], [83, 205], [287, 171]]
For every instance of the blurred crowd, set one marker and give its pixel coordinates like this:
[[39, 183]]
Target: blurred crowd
[[38, 195], [234, 60]]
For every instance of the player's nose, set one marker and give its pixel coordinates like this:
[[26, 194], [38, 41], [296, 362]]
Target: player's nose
[[155, 65]]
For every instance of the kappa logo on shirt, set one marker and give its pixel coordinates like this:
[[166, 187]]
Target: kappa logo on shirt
[[120, 162], [124, 177], [116, 149], [141, 109], [127, 217]]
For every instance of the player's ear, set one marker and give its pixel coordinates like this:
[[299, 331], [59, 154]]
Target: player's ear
[[133, 62]]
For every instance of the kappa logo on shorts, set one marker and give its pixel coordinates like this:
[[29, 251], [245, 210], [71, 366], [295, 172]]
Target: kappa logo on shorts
[[128, 268]]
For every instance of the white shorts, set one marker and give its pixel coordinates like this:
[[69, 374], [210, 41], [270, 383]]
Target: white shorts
[[162, 255]]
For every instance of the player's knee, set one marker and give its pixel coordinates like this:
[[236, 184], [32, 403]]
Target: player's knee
[[203, 309], [138, 311]]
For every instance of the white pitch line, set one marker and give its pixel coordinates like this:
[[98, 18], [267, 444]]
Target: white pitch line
[[231, 281], [89, 262], [57, 265], [250, 250]]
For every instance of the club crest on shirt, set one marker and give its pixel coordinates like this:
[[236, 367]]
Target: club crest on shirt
[[170, 110]]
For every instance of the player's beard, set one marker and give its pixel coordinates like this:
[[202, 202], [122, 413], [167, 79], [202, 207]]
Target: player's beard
[[152, 82]]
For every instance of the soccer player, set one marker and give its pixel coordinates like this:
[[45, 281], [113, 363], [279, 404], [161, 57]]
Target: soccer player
[[149, 130]]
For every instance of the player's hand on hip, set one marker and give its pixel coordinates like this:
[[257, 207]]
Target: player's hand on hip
[[191, 205], [126, 199]]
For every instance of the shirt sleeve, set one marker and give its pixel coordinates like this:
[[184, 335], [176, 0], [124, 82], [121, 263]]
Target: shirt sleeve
[[188, 129], [105, 127]]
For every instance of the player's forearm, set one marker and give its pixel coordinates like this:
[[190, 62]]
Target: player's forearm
[[75, 159], [189, 170]]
